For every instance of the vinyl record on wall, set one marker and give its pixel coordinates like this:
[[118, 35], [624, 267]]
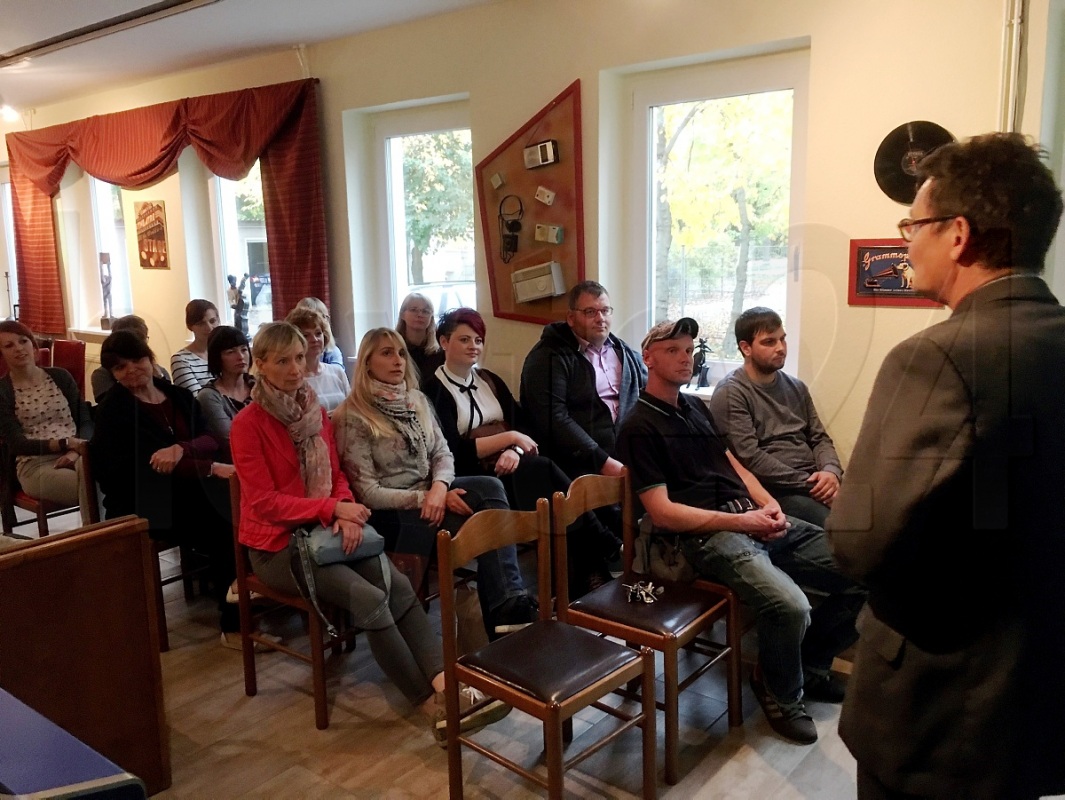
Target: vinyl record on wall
[[895, 164]]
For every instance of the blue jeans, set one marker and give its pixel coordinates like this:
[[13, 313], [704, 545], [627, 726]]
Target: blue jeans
[[803, 506], [773, 579]]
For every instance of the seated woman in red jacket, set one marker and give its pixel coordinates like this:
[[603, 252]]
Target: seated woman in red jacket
[[290, 476], [484, 428]]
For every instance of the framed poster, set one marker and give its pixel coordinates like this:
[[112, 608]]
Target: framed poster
[[151, 235], [881, 275]]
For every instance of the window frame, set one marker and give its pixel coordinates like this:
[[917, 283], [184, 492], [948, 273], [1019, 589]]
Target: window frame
[[713, 80], [387, 124]]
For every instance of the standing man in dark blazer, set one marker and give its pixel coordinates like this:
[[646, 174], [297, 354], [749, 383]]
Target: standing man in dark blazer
[[577, 384], [950, 511]]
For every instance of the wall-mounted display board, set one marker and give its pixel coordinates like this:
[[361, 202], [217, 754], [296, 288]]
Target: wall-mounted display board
[[532, 213]]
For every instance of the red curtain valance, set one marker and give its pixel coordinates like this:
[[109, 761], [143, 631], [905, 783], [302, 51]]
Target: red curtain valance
[[277, 124]]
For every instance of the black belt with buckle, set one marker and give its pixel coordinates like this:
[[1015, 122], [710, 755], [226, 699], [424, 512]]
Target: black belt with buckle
[[738, 506]]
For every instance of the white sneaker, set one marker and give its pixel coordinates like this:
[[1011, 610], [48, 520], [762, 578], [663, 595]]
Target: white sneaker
[[469, 698]]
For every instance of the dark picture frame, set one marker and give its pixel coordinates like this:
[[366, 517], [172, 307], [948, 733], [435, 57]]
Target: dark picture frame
[[880, 275]]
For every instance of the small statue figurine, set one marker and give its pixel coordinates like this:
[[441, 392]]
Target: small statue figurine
[[702, 369], [238, 303], [105, 286]]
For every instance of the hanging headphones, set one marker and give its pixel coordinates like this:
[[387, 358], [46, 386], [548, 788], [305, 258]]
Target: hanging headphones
[[511, 210]]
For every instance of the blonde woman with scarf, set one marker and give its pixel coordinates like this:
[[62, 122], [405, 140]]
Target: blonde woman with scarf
[[393, 451], [290, 476]]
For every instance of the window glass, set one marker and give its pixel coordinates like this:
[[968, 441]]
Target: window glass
[[430, 202], [246, 265], [110, 223], [10, 279], [719, 208]]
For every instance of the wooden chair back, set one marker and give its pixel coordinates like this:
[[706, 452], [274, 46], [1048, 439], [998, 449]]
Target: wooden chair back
[[70, 355]]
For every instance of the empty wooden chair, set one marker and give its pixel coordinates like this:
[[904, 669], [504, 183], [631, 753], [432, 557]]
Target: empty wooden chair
[[679, 619], [550, 669]]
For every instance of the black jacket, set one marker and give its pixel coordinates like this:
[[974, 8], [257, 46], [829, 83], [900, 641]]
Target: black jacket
[[121, 451], [570, 422], [465, 450]]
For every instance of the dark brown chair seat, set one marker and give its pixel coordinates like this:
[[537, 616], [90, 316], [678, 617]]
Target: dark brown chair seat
[[550, 660], [670, 615]]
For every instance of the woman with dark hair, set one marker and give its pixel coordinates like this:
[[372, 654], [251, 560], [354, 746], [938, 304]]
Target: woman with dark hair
[[418, 329], [222, 399], [153, 457], [483, 426], [189, 364], [44, 422], [395, 455], [101, 379], [290, 476]]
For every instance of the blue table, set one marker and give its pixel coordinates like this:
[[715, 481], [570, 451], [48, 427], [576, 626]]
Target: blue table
[[38, 759]]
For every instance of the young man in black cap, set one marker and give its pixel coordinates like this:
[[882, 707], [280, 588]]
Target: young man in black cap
[[732, 531]]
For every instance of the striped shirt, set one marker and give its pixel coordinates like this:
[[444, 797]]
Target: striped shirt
[[189, 370]]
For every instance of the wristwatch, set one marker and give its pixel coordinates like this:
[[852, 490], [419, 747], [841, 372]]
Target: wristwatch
[[517, 450], [63, 445]]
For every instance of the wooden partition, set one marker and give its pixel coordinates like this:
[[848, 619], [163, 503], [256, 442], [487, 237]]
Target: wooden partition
[[79, 641]]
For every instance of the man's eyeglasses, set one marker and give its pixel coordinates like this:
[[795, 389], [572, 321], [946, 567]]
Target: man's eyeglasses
[[592, 313], [908, 227]]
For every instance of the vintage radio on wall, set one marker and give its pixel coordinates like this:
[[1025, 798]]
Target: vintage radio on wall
[[541, 154], [536, 282]]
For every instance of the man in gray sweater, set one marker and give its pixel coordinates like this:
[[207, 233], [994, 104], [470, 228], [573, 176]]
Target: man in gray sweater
[[771, 425]]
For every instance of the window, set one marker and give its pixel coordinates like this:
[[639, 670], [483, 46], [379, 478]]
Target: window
[[110, 224], [242, 231], [720, 150], [11, 280], [428, 183]]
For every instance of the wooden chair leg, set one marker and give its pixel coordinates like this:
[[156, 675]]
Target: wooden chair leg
[[42, 521], [251, 686], [7, 516], [650, 741], [321, 709], [157, 577], [567, 731], [553, 753], [733, 636], [186, 579], [671, 716]]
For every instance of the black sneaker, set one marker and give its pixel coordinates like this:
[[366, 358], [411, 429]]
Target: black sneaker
[[825, 687], [790, 720], [515, 614]]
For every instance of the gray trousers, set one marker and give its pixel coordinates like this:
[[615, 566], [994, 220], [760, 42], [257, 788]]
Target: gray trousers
[[400, 637], [42, 481]]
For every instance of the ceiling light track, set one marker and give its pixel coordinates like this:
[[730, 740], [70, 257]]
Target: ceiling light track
[[88, 33]]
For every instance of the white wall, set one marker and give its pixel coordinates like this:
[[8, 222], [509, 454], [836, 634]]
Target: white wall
[[873, 66]]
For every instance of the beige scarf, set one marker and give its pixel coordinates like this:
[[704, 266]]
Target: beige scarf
[[302, 415]]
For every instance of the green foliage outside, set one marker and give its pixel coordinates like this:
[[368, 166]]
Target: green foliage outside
[[722, 183], [438, 193], [250, 196]]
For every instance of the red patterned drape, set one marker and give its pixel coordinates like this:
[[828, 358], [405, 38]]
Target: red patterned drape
[[277, 124]]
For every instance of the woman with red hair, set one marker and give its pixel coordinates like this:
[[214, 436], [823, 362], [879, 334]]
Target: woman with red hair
[[484, 425]]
